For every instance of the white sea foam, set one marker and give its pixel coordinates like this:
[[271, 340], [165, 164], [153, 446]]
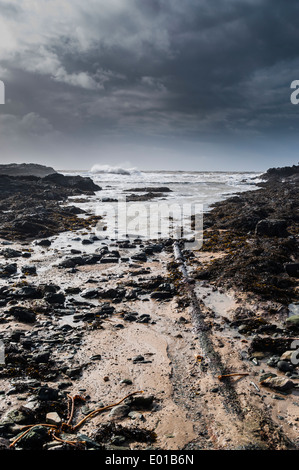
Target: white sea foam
[[113, 170], [188, 189]]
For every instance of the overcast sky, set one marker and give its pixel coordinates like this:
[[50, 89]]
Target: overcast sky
[[153, 84]]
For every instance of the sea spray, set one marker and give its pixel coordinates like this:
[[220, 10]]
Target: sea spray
[[114, 170]]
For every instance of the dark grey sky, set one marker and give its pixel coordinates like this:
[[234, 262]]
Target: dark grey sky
[[166, 84]]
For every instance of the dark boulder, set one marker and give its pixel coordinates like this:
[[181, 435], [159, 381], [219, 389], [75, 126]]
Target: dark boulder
[[46, 243], [292, 269], [28, 269], [27, 292], [11, 253], [23, 314], [47, 394], [55, 298], [77, 182], [271, 228], [8, 270]]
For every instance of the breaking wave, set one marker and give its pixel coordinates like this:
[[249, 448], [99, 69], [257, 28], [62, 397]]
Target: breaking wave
[[113, 170]]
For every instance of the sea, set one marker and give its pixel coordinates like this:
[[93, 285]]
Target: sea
[[189, 193]]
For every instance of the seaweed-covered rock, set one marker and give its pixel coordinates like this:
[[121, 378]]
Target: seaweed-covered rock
[[35, 438], [272, 228], [271, 344], [30, 206]]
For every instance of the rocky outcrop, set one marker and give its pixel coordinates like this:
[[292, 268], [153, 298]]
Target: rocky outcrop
[[30, 206], [258, 231], [26, 169]]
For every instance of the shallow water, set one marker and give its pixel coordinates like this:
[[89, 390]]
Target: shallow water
[[192, 193], [220, 303]]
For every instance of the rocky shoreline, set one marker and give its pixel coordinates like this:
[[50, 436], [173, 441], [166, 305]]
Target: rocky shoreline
[[258, 230], [100, 346], [31, 206]]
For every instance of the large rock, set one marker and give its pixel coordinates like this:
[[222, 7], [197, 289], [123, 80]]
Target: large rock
[[23, 314], [78, 182], [35, 438], [283, 172], [27, 292], [292, 269], [8, 270], [277, 345], [81, 260], [271, 228], [55, 298], [48, 394]]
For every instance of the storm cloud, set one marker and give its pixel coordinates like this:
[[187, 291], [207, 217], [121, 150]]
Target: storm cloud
[[201, 84]]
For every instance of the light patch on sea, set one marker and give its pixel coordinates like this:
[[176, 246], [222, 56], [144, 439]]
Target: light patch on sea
[[190, 193]]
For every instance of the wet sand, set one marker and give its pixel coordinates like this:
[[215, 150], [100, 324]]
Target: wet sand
[[189, 408]]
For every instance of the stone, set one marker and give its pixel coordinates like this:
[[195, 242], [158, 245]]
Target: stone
[[91, 258], [90, 294], [139, 257], [16, 416], [286, 356], [161, 295], [28, 292], [72, 262], [23, 314], [118, 440], [112, 293], [28, 269], [272, 361], [107, 260], [47, 394], [130, 317], [87, 241], [25, 169], [126, 381], [44, 243], [35, 438], [144, 318], [55, 298], [53, 418], [140, 401], [8, 270], [281, 384], [96, 357], [284, 366], [73, 372], [41, 358], [138, 358], [89, 443], [11, 253], [135, 415], [120, 411]]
